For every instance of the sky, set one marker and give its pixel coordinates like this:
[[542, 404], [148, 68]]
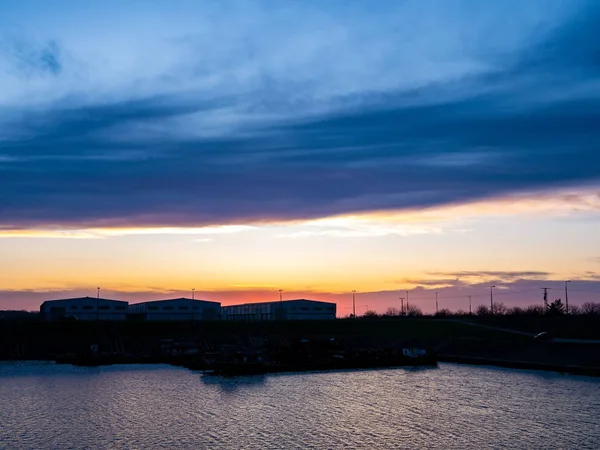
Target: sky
[[242, 147]]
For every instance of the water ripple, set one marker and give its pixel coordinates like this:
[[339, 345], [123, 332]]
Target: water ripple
[[160, 407]]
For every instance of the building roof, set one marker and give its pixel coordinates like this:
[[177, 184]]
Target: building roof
[[76, 299], [175, 300], [84, 298], [283, 301]]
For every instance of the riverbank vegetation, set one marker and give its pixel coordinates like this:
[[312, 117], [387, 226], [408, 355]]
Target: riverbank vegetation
[[554, 308]]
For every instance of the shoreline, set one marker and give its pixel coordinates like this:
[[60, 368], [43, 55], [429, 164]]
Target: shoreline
[[525, 365], [454, 359], [184, 344]]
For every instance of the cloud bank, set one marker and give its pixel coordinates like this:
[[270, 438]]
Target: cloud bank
[[234, 112]]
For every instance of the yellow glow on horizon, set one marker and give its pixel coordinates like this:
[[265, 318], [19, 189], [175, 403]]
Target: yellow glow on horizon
[[373, 251]]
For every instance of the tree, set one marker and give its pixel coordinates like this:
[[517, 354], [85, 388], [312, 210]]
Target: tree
[[535, 310], [482, 310], [515, 311], [590, 308], [413, 311], [391, 312], [444, 312], [370, 314], [556, 308], [500, 309]]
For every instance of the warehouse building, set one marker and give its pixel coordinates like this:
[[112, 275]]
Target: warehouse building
[[175, 309], [84, 308], [300, 309]]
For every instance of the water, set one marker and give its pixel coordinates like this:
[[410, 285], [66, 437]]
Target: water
[[46, 406]]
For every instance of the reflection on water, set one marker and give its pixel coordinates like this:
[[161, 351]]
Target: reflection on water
[[232, 384], [454, 407]]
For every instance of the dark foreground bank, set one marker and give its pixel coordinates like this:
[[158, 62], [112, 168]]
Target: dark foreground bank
[[189, 343]]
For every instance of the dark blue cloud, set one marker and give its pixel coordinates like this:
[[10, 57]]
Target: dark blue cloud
[[530, 125]]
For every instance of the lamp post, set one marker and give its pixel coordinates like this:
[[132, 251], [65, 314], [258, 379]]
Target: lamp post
[[567, 297], [192, 303], [280, 295], [436, 302], [406, 302], [354, 303], [470, 305], [401, 305], [97, 304], [492, 299]]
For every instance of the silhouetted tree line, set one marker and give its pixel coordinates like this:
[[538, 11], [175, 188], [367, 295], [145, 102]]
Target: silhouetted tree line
[[17, 314], [555, 308]]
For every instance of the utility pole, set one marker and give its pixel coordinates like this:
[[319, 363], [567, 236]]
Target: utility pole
[[567, 297], [353, 303], [280, 295], [545, 297], [470, 305], [401, 305], [492, 299], [97, 304], [436, 302], [406, 303]]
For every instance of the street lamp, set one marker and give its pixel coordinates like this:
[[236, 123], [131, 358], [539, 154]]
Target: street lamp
[[469, 305], [97, 303], [406, 302], [354, 303], [192, 303], [402, 305], [280, 295], [492, 299], [567, 297], [436, 302]]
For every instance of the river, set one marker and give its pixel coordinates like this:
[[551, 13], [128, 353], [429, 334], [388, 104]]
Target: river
[[48, 406]]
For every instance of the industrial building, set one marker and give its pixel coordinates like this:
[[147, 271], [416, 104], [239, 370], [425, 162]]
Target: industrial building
[[300, 309], [184, 309], [175, 309], [84, 308]]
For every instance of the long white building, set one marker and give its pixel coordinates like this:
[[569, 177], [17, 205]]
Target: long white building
[[300, 309], [84, 308], [175, 309]]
